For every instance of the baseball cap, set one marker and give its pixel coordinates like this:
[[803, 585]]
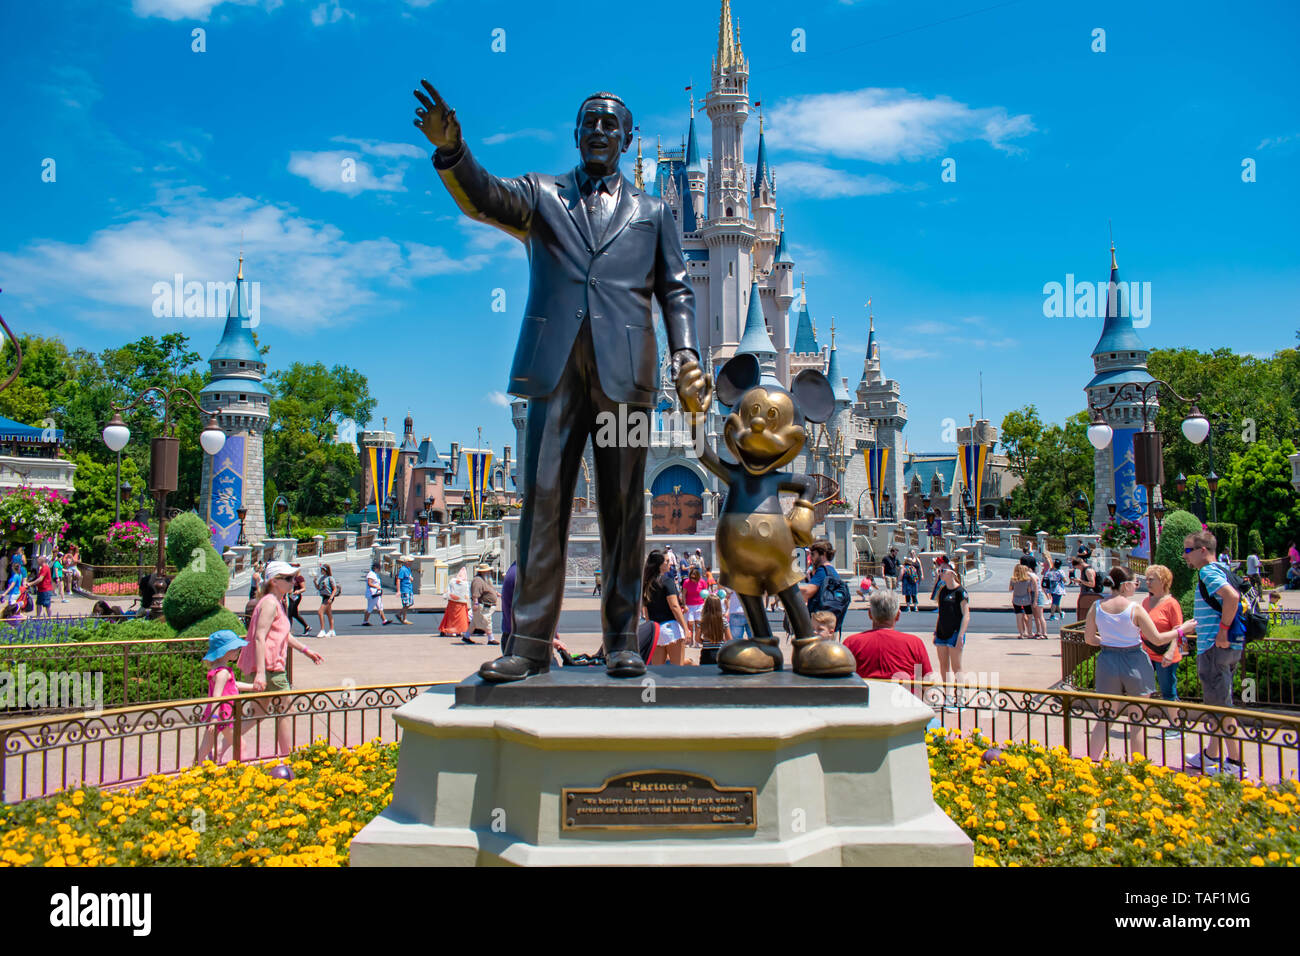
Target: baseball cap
[[280, 569]]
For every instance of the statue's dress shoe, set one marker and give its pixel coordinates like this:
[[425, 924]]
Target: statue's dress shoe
[[512, 667], [751, 655], [624, 664], [820, 657]]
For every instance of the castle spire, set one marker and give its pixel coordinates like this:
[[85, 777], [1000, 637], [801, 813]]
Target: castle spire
[[726, 54], [757, 341], [871, 332], [640, 172], [839, 389]]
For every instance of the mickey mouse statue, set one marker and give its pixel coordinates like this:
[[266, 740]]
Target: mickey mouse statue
[[755, 540]]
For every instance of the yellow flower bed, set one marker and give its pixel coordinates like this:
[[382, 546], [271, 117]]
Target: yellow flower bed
[[1041, 807], [1033, 807], [235, 815]]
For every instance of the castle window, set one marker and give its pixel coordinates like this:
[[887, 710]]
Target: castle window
[[728, 264], [729, 212], [243, 398], [1113, 356], [1112, 388]]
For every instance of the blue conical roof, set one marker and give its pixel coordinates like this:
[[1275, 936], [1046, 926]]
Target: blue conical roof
[[805, 340], [688, 206], [1117, 333], [761, 170], [756, 340], [237, 338], [782, 253], [693, 163], [838, 388]]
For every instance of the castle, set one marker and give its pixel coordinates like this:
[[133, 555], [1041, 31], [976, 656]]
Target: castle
[[743, 277]]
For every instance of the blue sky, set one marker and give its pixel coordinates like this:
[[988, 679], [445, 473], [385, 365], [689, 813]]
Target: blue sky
[[162, 155]]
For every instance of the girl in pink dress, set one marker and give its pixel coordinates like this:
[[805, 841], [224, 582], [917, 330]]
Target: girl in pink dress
[[223, 648]]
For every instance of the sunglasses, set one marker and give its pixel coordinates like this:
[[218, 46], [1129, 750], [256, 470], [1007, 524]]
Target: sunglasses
[[1190, 550]]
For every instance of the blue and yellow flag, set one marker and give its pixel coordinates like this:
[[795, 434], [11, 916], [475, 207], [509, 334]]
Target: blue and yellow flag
[[480, 465], [383, 468], [877, 460], [972, 460]]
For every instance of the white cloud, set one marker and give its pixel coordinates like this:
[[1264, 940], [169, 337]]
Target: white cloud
[[330, 12], [886, 126], [908, 354], [499, 398], [309, 272], [530, 133], [187, 9], [1268, 142], [822, 182], [187, 151], [72, 86], [336, 171], [382, 149]]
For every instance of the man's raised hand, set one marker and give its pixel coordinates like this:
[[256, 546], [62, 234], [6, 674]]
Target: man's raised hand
[[436, 120]]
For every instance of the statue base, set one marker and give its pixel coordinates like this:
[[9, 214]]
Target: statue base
[[550, 772]]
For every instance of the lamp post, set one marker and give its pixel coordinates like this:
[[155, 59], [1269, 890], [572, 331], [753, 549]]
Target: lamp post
[[281, 507], [242, 512], [886, 509], [423, 519], [1081, 504], [1197, 494], [1158, 508], [1110, 507], [123, 491], [1148, 455], [164, 458], [384, 513]]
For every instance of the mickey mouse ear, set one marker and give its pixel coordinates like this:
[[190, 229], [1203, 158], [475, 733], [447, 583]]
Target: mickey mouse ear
[[738, 376], [813, 394]]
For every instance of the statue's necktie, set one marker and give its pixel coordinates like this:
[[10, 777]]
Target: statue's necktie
[[597, 207]]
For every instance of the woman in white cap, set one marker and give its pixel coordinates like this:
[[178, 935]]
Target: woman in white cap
[[270, 637]]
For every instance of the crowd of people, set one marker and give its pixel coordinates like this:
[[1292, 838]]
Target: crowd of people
[[33, 588]]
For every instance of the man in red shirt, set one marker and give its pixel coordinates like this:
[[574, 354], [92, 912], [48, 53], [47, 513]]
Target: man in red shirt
[[44, 587], [883, 653]]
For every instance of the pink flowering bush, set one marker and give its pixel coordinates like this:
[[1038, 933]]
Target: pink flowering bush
[[128, 540], [1122, 533], [37, 512]]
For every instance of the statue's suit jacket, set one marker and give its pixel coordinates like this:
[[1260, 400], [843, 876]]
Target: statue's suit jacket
[[574, 275]]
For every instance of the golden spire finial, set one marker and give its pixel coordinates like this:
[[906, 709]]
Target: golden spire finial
[[639, 180], [783, 220], [1113, 266], [692, 89], [832, 333]]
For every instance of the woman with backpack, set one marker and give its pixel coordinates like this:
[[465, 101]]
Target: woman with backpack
[[328, 589], [954, 619], [909, 579]]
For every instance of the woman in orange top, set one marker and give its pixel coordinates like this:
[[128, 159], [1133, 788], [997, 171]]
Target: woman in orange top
[[455, 619], [1167, 615]]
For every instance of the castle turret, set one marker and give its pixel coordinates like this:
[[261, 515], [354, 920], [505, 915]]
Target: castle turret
[[1119, 358], [232, 479], [757, 340]]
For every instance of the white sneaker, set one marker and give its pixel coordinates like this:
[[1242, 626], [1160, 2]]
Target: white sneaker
[[322, 633], [331, 632]]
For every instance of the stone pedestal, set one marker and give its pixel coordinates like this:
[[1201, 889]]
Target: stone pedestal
[[486, 774], [839, 532]]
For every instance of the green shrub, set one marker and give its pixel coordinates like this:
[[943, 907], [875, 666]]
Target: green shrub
[[1255, 543], [1169, 549], [1225, 535], [200, 587], [1188, 603], [221, 618]]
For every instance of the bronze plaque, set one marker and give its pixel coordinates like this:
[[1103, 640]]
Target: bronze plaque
[[653, 799]]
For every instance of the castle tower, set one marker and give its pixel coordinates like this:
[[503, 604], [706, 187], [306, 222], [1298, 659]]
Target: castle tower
[[233, 477], [879, 403], [805, 353], [764, 196], [696, 176], [1119, 358], [757, 340]]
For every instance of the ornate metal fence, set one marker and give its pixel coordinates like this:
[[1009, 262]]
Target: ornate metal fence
[[1265, 745], [110, 580], [1271, 666], [1055, 545], [128, 744]]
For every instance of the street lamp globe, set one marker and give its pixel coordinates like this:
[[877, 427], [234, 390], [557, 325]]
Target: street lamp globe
[[212, 438], [116, 434], [1110, 506], [1196, 427], [1181, 483], [1099, 434], [1213, 481]]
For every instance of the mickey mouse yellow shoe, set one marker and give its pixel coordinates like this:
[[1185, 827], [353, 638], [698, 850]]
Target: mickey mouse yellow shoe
[[757, 655], [819, 657]]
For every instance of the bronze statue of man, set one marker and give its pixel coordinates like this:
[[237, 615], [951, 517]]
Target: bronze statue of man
[[599, 249]]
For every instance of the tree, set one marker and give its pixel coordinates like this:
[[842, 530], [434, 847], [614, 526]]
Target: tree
[[1257, 494], [303, 460], [1060, 464], [1169, 549], [91, 506], [1022, 430]]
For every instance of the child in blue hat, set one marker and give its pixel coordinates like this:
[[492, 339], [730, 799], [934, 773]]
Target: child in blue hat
[[223, 648]]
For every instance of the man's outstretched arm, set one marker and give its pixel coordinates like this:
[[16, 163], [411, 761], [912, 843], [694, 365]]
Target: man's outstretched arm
[[507, 204]]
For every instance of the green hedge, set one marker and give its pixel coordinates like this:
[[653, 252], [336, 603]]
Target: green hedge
[[1169, 548], [1225, 536], [178, 673], [200, 587]]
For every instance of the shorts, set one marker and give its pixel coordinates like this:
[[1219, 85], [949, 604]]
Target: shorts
[[374, 602], [1215, 666], [670, 632], [1022, 608], [956, 639], [1125, 671], [277, 680], [408, 600], [693, 611], [43, 598], [739, 626]]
